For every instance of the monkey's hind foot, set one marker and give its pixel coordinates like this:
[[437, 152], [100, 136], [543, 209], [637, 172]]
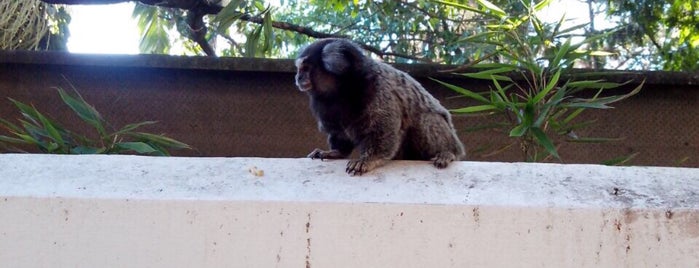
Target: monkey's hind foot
[[322, 154], [442, 159], [357, 167]]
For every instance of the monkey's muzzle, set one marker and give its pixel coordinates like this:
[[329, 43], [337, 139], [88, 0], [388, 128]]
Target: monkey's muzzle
[[305, 86]]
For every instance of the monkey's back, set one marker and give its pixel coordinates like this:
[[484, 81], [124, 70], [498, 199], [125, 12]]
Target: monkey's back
[[398, 91]]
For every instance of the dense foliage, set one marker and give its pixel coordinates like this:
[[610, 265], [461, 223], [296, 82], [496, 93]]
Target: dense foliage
[[535, 98], [647, 34]]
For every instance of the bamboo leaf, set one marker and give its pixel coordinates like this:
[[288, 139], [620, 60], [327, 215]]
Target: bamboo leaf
[[84, 110], [487, 76], [591, 105], [12, 140], [159, 140], [544, 141], [474, 109], [131, 127], [492, 8], [139, 147], [541, 5], [572, 115], [86, 150], [228, 15], [596, 84], [519, 130], [617, 161], [463, 91], [268, 33], [10, 126], [560, 53], [549, 86], [457, 5], [51, 131]]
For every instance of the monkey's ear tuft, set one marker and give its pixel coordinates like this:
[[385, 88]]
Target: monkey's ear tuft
[[341, 56], [334, 57]]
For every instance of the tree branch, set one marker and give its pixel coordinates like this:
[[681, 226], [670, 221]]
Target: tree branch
[[207, 7], [315, 34], [197, 30], [198, 8]]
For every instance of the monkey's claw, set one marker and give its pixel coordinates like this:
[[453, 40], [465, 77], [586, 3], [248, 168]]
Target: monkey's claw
[[322, 155], [316, 154], [442, 160], [357, 167]]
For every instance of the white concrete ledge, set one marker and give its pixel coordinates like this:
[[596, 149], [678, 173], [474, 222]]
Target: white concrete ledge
[[130, 211]]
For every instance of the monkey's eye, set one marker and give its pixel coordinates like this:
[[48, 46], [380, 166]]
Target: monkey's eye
[[303, 69]]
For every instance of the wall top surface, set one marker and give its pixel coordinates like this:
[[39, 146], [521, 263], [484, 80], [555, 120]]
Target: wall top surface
[[283, 65], [306, 180]]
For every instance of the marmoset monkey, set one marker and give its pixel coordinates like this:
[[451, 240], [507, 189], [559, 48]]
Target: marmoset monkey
[[363, 103]]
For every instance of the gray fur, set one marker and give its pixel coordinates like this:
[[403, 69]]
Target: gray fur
[[382, 111]]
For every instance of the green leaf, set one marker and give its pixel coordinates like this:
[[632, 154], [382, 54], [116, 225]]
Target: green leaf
[[549, 86], [131, 127], [252, 41], [596, 84], [52, 131], [10, 126], [268, 34], [86, 150], [12, 140], [541, 5], [474, 109], [561, 53], [139, 147], [519, 130], [617, 161], [544, 141], [492, 8], [463, 7], [591, 105], [463, 91], [487, 76], [600, 53], [86, 112], [159, 140], [228, 15], [28, 112]]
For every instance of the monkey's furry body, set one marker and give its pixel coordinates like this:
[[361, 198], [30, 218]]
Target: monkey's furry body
[[366, 104]]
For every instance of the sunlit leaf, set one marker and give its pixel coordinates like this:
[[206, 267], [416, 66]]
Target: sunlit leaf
[[492, 8]]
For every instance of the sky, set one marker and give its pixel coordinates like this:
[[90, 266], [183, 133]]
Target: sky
[[110, 29], [103, 29]]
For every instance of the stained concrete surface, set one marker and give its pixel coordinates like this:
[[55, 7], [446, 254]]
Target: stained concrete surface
[[133, 211]]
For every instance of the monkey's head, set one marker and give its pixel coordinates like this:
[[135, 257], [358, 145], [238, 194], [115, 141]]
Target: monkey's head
[[323, 64]]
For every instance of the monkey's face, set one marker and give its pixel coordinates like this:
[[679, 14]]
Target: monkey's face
[[303, 74], [313, 77]]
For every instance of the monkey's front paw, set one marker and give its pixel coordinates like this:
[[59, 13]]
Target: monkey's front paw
[[321, 154], [357, 167], [442, 160]]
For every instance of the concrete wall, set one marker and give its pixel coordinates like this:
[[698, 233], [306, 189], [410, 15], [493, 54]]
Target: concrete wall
[[131, 211], [250, 107]]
